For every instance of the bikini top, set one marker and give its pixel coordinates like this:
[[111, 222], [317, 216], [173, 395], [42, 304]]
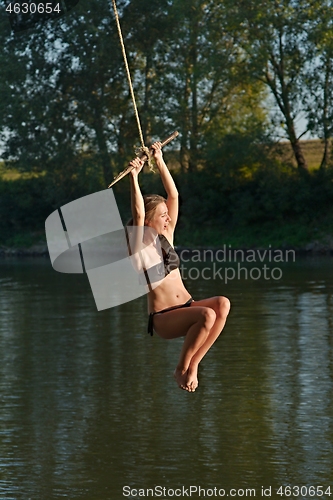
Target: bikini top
[[170, 262], [170, 257]]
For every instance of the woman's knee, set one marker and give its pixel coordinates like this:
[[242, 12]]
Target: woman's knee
[[222, 306], [208, 317]]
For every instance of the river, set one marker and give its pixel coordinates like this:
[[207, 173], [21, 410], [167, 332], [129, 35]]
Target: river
[[90, 410]]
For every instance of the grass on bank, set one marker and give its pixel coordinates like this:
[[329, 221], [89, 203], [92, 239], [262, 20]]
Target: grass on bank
[[23, 210], [290, 235], [313, 150], [23, 240]]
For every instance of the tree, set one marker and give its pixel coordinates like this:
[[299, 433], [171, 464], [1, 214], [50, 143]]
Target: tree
[[68, 104], [199, 73], [65, 92], [145, 25], [319, 102], [275, 52]]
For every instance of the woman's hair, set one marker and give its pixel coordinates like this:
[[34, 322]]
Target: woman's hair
[[151, 201]]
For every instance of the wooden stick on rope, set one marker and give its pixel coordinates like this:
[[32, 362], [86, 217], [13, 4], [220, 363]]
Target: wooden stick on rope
[[143, 157]]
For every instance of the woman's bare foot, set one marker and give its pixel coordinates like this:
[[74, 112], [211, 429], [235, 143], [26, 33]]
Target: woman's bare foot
[[192, 378], [188, 379], [181, 378]]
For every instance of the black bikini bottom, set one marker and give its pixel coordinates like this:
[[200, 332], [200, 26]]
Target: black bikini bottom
[[151, 315]]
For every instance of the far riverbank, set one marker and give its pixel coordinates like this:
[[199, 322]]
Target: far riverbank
[[221, 253]]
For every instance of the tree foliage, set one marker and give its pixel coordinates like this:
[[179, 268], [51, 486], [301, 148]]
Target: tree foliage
[[275, 53], [319, 75], [206, 68], [68, 94]]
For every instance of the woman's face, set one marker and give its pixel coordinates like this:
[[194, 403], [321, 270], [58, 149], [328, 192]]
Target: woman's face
[[161, 219]]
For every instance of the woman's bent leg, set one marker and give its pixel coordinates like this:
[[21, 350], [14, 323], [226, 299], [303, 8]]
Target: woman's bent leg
[[196, 337], [201, 323], [221, 307], [196, 324]]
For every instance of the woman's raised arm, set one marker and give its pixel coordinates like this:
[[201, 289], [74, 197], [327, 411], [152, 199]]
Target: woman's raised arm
[[137, 204], [135, 234], [168, 183]]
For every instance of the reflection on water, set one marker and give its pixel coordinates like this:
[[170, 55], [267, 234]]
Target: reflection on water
[[300, 379], [88, 403]]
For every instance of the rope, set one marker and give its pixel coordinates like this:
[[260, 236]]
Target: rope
[[143, 148]]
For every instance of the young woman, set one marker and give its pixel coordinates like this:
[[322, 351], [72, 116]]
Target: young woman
[[172, 311]]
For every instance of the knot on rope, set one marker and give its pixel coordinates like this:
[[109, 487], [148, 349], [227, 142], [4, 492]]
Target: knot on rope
[[146, 151]]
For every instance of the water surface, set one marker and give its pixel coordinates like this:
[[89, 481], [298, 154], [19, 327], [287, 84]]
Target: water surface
[[89, 405]]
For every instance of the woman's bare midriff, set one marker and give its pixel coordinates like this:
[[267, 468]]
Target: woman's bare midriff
[[170, 292]]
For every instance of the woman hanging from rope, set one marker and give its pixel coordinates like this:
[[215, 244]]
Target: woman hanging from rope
[[172, 311]]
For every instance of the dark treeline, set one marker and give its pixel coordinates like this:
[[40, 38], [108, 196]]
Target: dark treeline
[[229, 76]]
